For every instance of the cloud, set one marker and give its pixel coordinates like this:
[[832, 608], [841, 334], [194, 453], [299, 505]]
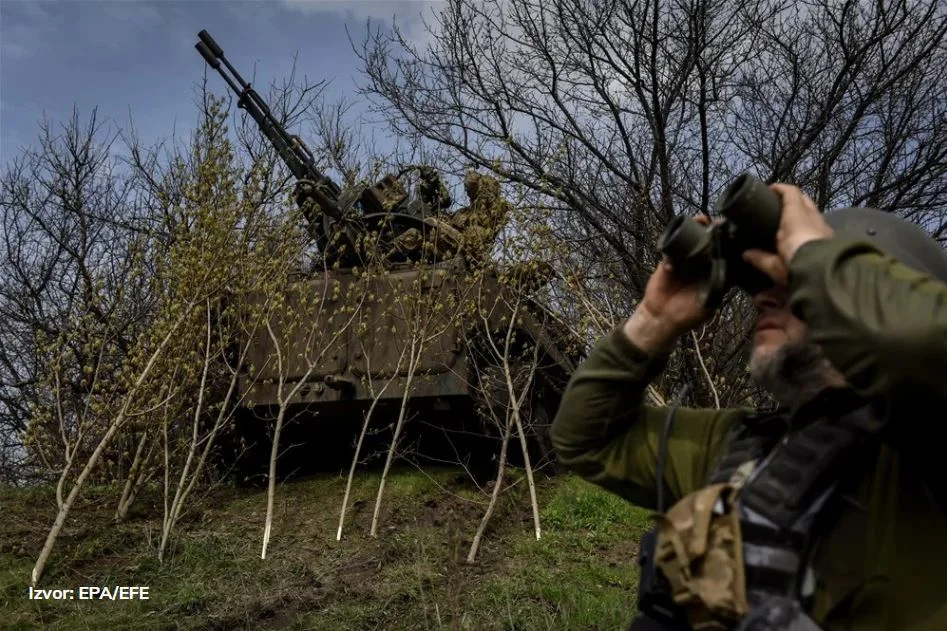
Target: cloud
[[117, 25], [413, 17], [24, 28], [360, 9], [31, 27]]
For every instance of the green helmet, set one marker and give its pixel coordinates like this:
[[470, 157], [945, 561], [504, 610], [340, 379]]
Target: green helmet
[[893, 235]]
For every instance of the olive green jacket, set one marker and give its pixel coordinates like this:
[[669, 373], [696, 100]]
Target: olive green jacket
[[883, 564]]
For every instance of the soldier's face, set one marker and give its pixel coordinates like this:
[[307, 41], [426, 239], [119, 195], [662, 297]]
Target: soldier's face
[[785, 361], [776, 326]]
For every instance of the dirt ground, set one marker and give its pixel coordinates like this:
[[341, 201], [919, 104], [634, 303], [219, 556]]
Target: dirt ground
[[413, 575]]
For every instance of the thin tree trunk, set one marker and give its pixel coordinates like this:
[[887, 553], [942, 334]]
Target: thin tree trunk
[[40, 565], [402, 413], [703, 368], [283, 404], [167, 475], [271, 483], [351, 476], [128, 494], [498, 484], [529, 471], [171, 517], [361, 439]]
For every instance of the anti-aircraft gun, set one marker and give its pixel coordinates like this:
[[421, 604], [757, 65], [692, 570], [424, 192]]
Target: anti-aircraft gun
[[454, 384], [343, 222]]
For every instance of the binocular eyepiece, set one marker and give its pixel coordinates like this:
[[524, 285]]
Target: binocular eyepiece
[[751, 212]]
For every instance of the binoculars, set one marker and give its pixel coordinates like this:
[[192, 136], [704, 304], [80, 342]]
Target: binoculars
[[714, 254]]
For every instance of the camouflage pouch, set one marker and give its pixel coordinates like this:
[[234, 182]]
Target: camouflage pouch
[[700, 554]]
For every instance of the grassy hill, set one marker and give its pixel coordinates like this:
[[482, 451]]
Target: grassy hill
[[579, 575]]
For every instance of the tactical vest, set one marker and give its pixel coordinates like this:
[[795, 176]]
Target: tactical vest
[[744, 562]]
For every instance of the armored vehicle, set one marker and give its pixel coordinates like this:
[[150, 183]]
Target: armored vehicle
[[403, 326]]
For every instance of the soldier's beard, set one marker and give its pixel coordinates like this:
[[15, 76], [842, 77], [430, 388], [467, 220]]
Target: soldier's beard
[[793, 373]]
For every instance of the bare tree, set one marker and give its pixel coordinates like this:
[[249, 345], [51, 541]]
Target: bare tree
[[320, 328], [423, 313], [376, 396], [507, 384], [620, 115], [250, 281], [97, 431], [171, 388], [65, 257]]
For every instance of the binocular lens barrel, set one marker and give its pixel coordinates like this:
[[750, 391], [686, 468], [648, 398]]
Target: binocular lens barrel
[[752, 213], [752, 205], [685, 242]]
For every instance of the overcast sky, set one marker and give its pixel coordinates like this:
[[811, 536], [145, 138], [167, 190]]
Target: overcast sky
[[137, 57]]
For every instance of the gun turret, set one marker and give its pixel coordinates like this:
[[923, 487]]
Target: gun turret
[[311, 183], [341, 220], [292, 150]]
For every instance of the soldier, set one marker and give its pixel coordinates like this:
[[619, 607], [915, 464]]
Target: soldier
[[829, 512], [472, 230], [431, 189], [481, 222]]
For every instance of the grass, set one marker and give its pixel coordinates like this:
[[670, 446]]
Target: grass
[[580, 575]]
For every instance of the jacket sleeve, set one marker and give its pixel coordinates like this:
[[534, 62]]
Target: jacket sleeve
[[605, 433], [882, 324]]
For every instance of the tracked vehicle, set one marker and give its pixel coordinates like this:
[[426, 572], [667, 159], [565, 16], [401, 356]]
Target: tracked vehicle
[[417, 326]]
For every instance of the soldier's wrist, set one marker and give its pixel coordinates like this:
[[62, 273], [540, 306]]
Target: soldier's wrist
[[650, 334]]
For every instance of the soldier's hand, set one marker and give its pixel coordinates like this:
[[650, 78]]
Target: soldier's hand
[[801, 222], [670, 308]]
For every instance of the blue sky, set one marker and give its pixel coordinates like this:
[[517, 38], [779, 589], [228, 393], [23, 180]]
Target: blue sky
[[137, 57]]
